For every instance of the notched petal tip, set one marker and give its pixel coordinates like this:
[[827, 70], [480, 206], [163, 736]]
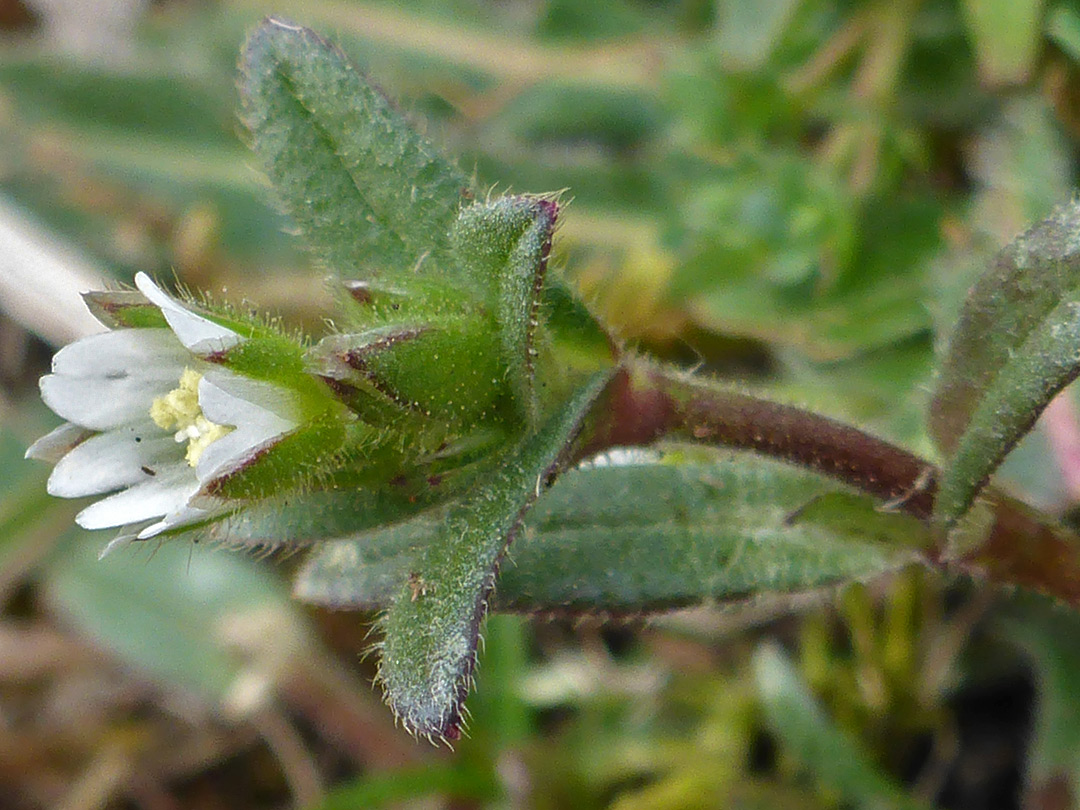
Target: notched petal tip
[[198, 334]]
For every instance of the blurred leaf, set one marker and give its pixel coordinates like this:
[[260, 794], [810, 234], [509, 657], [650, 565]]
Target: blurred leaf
[[1016, 346], [26, 532], [157, 103], [1063, 27], [167, 610], [1050, 637], [796, 263], [372, 198], [825, 750], [432, 626], [1022, 165], [381, 789], [643, 536], [593, 20], [568, 115], [750, 30], [1007, 35]]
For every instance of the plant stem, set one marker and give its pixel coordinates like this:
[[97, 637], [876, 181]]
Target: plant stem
[[646, 403]]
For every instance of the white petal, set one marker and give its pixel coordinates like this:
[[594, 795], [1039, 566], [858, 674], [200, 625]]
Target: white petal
[[183, 516], [120, 541], [125, 349], [169, 490], [227, 399], [197, 333], [55, 445], [105, 380], [119, 458]]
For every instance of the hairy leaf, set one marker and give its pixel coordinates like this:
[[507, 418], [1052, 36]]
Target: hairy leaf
[[371, 196], [1015, 347], [505, 245], [432, 627], [648, 536]]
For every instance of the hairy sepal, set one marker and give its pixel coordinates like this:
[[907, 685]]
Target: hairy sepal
[[124, 309], [447, 370], [432, 628], [503, 245]]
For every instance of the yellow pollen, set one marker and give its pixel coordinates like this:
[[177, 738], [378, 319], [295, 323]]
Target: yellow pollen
[[179, 411]]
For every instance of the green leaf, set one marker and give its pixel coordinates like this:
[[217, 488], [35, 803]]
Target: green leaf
[[750, 30], [167, 610], [432, 627], [371, 196], [1063, 27], [1016, 346], [830, 754], [404, 784], [648, 536]]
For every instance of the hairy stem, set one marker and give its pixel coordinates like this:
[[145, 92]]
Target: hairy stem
[[646, 403]]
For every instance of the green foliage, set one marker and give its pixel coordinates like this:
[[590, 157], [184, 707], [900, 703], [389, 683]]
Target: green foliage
[[1015, 347], [432, 627], [832, 756], [371, 197], [645, 536], [798, 190], [1048, 638], [170, 614], [1007, 36]]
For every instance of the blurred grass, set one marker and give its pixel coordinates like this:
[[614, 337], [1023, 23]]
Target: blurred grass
[[792, 194]]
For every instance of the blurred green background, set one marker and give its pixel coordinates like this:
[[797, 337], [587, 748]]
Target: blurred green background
[[791, 194]]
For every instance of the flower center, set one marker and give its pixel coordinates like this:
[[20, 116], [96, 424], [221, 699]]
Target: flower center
[[179, 410]]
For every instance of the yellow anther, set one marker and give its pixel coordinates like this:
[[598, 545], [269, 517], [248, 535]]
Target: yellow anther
[[179, 411]]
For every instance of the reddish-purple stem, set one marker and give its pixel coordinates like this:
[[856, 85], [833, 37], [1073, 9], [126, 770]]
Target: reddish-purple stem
[[646, 403]]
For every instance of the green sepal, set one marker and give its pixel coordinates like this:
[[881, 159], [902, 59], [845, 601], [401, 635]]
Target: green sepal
[[278, 359], [432, 628], [124, 309], [293, 462], [503, 245], [303, 518], [449, 371]]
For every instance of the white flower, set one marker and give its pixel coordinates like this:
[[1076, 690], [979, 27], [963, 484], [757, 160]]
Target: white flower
[[152, 421]]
